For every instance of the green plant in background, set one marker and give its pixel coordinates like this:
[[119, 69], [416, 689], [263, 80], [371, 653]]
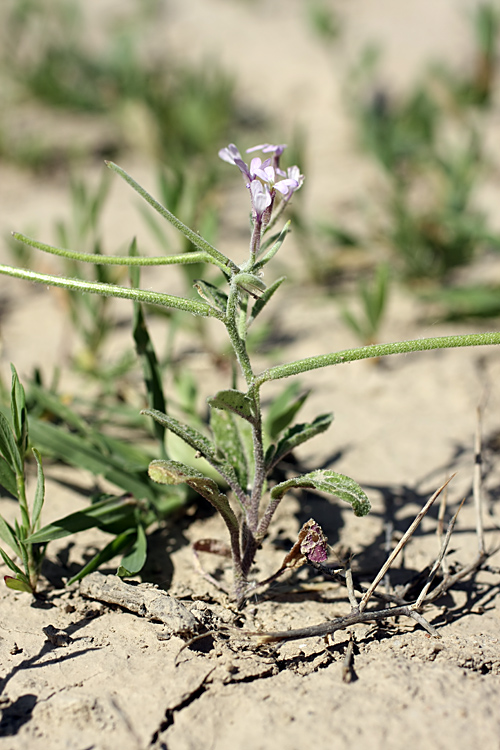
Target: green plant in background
[[90, 317], [428, 143], [14, 448], [241, 446], [373, 298], [139, 97], [42, 418]]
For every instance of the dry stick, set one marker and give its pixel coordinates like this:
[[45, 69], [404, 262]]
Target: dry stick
[[350, 586], [348, 663], [439, 559], [402, 542], [450, 580], [440, 527], [358, 615], [476, 484]]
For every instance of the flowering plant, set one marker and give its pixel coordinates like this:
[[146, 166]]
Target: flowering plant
[[238, 447]]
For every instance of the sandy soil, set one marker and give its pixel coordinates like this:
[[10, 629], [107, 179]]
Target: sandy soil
[[113, 679]]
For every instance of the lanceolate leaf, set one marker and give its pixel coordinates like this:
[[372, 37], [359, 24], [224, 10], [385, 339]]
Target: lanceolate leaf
[[227, 438], [19, 414], [18, 584], [7, 477], [39, 492], [280, 238], [8, 447], [236, 401], [296, 435], [173, 472], [197, 441], [8, 536], [283, 410], [330, 482], [264, 299], [146, 352]]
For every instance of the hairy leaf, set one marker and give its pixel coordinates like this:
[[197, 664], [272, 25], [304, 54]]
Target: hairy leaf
[[173, 472], [236, 401], [295, 436], [197, 441], [283, 410], [330, 482], [227, 438]]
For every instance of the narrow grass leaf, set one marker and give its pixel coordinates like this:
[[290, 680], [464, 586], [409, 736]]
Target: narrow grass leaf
[[133, 562], [115, 547], [8, 446], [101, 515], [39, 491], [8, 535], [7, 477]]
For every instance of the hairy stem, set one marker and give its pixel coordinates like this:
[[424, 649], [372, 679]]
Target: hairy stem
[[376, 350]]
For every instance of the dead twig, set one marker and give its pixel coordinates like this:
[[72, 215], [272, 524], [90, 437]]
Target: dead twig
[[412, 610]]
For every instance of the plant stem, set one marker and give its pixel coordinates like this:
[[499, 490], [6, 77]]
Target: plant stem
[[232, 322], [376, 350], [111, 290]]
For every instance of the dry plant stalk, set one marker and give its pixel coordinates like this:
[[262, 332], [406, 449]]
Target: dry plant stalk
[[397, 606]]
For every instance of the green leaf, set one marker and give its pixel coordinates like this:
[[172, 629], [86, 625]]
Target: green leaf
[[197, 441], [8, 447], [133, 562], [7, 477], [278, 240], [227, 438], [211, 294], [39, 492], [173, 472], [108, 512], [117, 545], [8, 535], [149, 361], [250, 283], [235, 401], [19, 413], [330, 482], [18, 584], [114, 290], [264, 299], [295, 436], [102, 459], [11, 564], [283, 410]]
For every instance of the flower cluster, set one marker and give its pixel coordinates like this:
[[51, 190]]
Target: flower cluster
[[264, 177]]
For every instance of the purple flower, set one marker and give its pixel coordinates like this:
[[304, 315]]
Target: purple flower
[[263, 176], [261, 197], [233, 156], [268, 148]]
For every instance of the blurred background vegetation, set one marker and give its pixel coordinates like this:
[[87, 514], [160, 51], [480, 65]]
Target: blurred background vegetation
[[78, 87]]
